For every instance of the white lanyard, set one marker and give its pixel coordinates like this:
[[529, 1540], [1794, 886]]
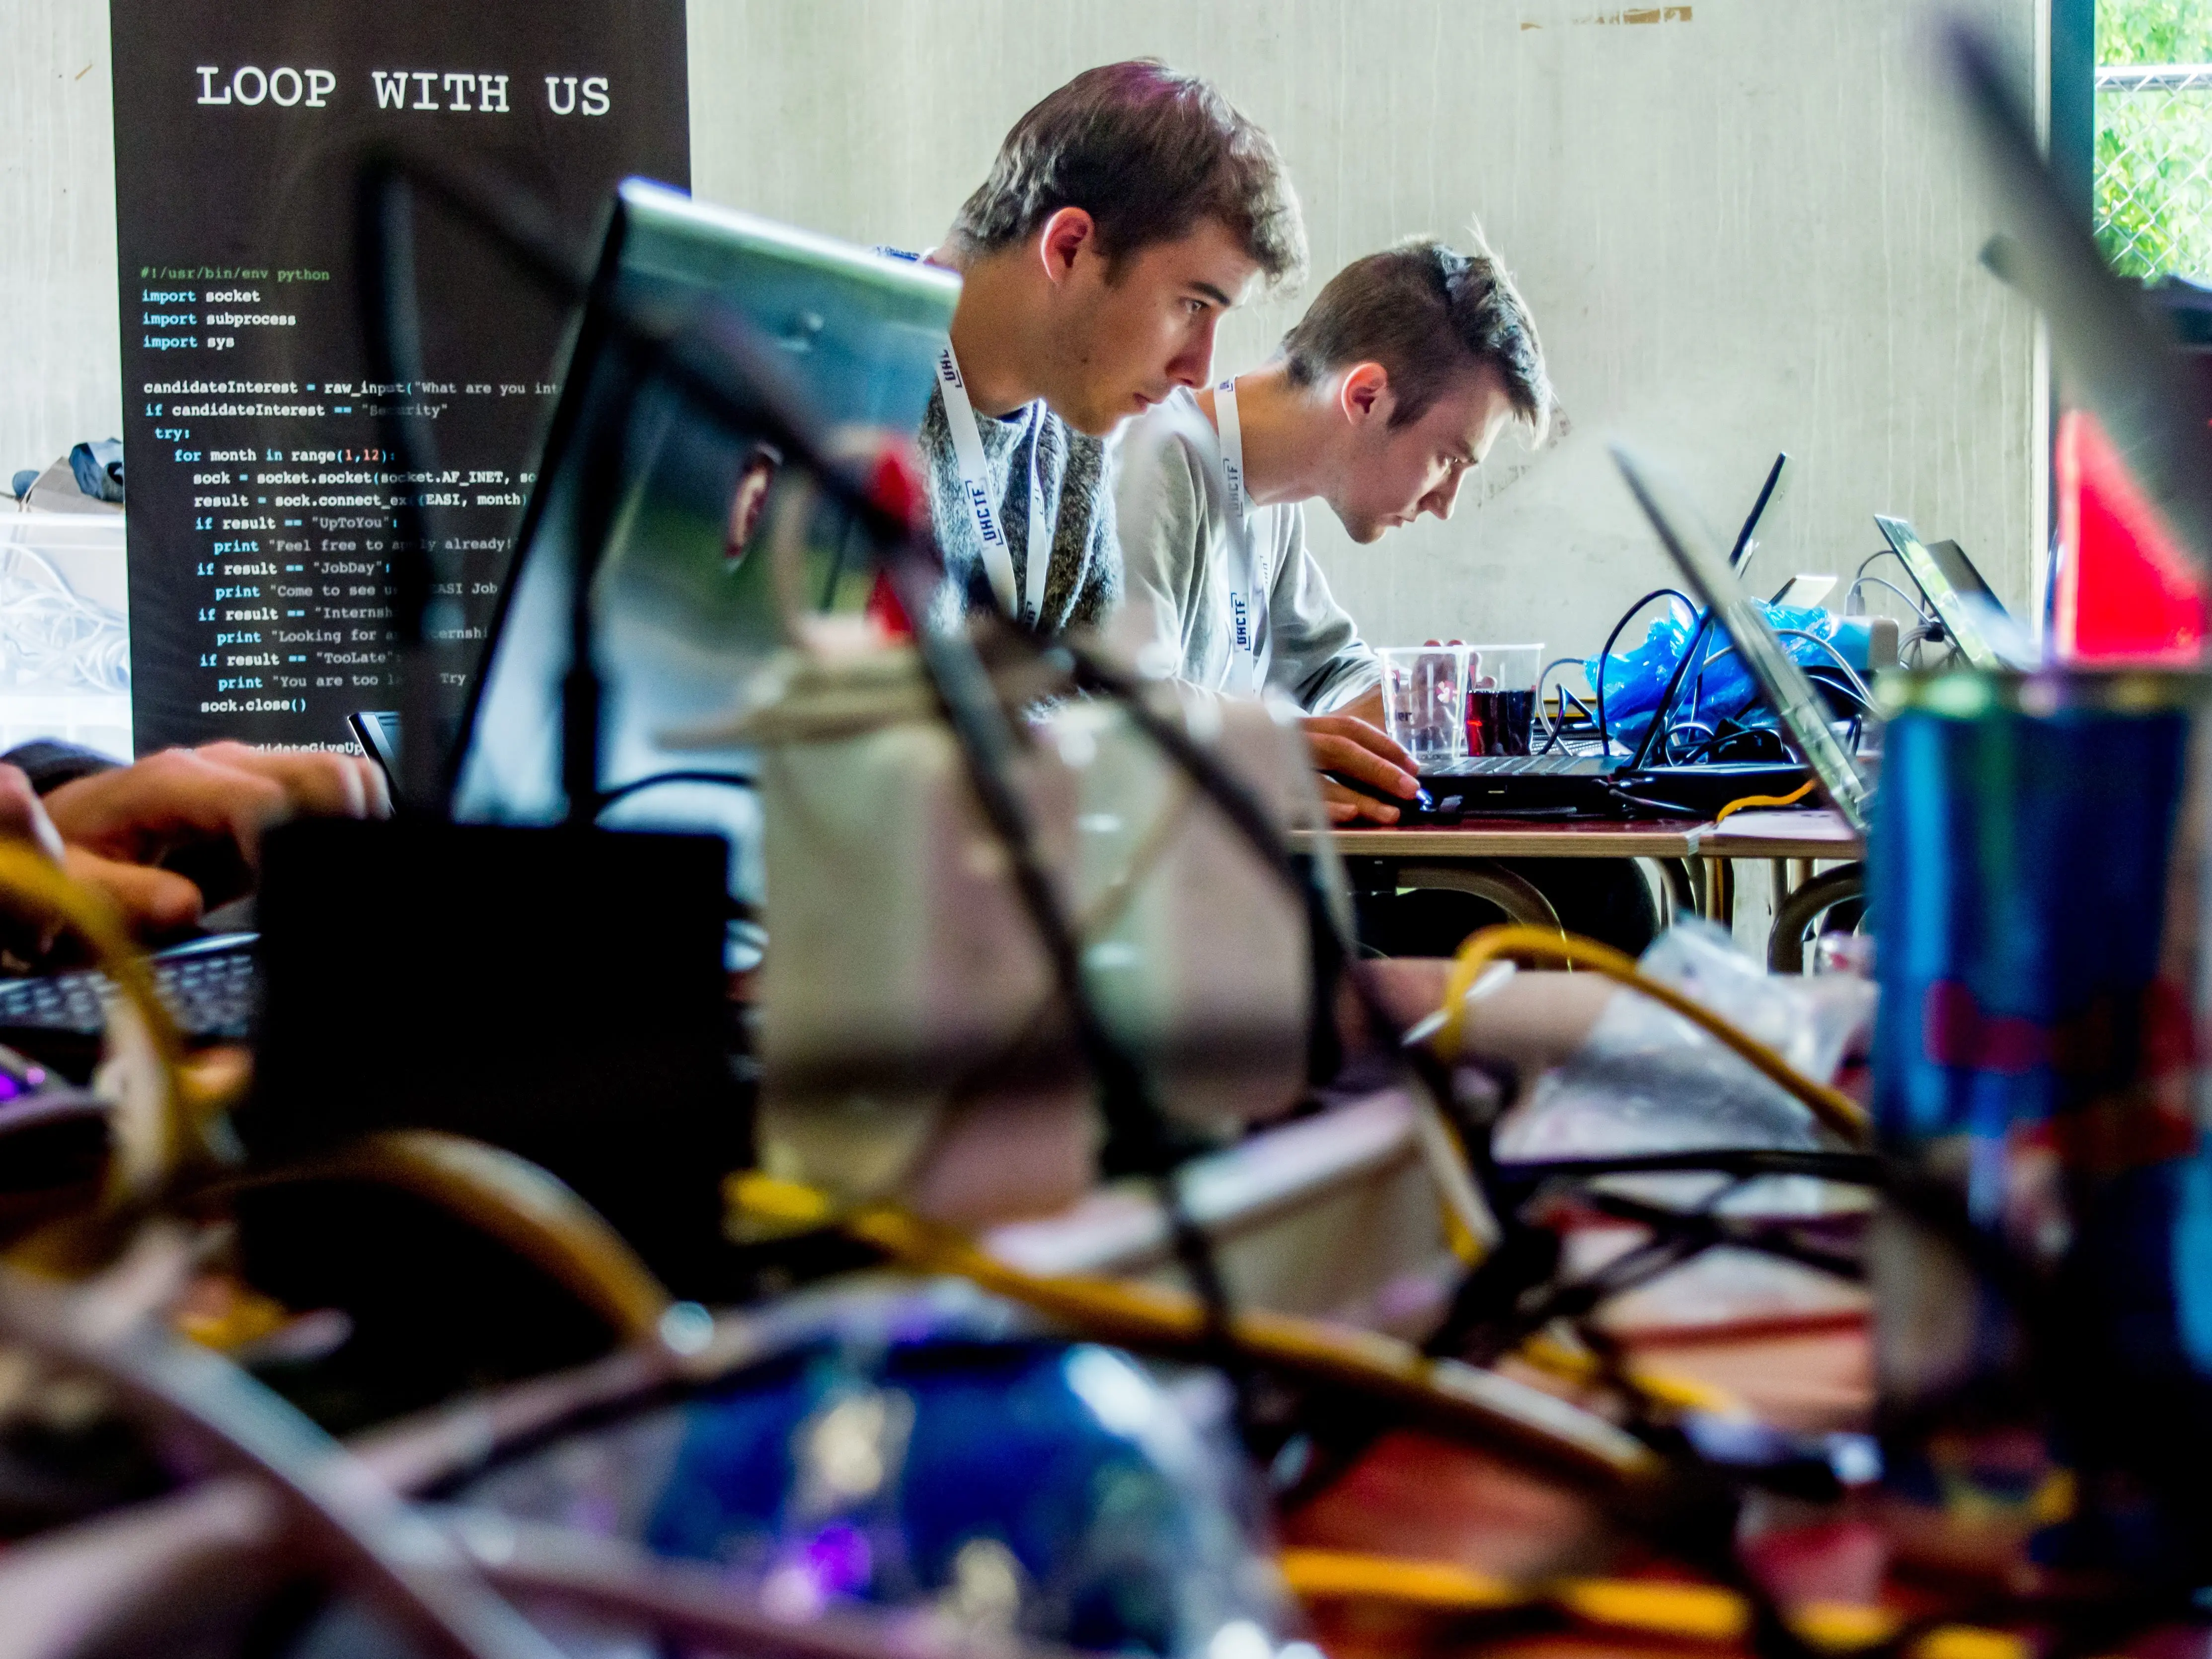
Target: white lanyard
[[1248, 578], [975, 486]]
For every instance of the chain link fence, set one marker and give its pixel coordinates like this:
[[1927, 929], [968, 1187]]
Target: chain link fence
[[2154, 168]]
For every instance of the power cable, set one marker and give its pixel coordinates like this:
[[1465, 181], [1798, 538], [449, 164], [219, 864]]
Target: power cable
[[1605, 656]]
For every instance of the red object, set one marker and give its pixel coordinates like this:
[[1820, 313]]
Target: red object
[[2125, 588], [886, 612], [895, 487]]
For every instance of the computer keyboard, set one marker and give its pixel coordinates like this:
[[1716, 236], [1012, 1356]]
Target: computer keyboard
[[1490, 766], [209, 985]]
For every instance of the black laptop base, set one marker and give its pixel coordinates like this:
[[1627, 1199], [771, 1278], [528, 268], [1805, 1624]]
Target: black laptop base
[[1656, 792]]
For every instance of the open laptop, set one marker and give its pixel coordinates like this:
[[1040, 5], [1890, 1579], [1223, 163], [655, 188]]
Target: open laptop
[[681, 621], [1963, 602], [1639, 784], [1789, 690], [682, 618]]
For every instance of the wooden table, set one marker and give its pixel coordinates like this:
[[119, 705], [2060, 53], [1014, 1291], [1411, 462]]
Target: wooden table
[[1695, 859]]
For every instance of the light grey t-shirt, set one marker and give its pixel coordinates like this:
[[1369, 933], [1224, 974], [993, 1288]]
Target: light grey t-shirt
[[1175, 532]]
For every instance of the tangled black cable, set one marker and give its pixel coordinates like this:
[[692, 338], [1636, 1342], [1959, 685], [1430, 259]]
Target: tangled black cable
[[1605, 656]]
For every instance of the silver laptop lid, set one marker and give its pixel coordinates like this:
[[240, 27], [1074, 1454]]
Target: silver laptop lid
[[681, 623], [1966, 616], [1796, 704]]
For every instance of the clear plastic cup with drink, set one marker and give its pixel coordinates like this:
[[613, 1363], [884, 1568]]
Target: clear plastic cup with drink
[[1501, 697]]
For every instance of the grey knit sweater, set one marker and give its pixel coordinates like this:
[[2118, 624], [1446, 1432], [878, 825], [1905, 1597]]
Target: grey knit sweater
[[1083, 584]]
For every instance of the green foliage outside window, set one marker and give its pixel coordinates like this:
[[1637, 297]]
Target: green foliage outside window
[[2154, 168]]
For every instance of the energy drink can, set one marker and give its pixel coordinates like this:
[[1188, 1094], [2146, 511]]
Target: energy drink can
[[2043, 1273]]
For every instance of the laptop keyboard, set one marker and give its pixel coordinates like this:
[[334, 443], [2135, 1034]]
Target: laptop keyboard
[[212, 987], [1491, 766]]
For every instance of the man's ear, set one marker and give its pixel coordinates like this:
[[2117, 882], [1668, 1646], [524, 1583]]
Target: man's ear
[[1363, 394], [1062, 240]]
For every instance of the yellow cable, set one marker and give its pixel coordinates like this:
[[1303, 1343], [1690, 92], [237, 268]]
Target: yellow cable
[[1350, 1575], [1664, 1388], [1832, 1106], [27, 876], [1694, 1612], [1790, 799], [509, 1198], [1148, 1316]]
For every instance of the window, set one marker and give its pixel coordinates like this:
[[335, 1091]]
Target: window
[[2153, 152]]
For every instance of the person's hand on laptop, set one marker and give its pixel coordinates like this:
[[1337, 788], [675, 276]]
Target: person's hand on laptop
[[1352, 742], [208, 805]]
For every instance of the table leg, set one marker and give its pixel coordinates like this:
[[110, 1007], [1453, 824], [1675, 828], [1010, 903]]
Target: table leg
[[1678, 882], [1720, 891]]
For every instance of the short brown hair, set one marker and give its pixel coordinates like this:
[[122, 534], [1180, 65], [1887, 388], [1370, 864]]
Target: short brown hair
[[1426, 313], [1148, 153]]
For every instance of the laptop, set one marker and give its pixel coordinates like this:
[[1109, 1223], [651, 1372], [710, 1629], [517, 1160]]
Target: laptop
[[1637, 784], [685, 617], [681, 621], [1971, 613], [1789, 690]]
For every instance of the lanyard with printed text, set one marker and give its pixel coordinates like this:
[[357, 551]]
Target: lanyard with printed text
[[1248, 579], [975, 488]]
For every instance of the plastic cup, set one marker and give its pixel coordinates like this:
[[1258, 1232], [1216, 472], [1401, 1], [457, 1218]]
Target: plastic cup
[[1501, 697], [1425, 700]]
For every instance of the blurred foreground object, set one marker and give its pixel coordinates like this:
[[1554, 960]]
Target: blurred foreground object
[[2043, 1276], [907, 985], [927, 1449], [2126, 589]]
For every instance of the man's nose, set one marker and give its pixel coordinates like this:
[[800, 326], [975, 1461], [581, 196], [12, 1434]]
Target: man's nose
[[1192, 365], [1441, 500]]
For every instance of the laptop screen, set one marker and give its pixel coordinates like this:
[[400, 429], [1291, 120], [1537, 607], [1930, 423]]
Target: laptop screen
[[1797, 705], [685, 616], [1963, 614]]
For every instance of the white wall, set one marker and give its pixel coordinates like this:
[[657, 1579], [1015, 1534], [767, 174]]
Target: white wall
[[1747, 230], [60, 356]]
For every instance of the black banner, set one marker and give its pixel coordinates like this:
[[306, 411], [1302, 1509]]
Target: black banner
[[260, 513]]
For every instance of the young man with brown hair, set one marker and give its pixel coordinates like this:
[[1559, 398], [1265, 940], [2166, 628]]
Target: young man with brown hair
[[1385, 394], [1124, 215]]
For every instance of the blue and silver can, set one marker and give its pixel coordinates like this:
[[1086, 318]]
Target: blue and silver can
[[2044, 1273]]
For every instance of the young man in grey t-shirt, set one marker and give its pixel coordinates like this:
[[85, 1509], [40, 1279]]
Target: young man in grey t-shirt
[[1386, 393], [1124, 214]]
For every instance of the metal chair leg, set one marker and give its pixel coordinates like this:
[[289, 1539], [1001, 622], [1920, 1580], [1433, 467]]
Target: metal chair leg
[[1785, 945], [1679, 881], [1720, 893], [1516, 895]]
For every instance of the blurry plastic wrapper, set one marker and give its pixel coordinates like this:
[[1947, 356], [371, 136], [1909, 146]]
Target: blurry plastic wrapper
[[1647, 1080], [2045, 1293]]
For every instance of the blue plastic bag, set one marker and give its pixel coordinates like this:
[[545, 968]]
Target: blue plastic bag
[[1722, 690]]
